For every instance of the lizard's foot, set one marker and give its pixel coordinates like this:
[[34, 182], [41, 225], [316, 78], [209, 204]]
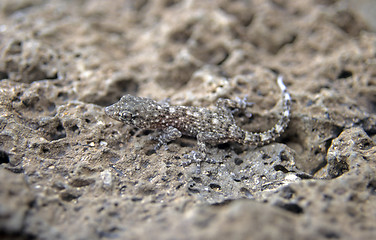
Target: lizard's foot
[[198, 158], [242, 103], [160, 144]]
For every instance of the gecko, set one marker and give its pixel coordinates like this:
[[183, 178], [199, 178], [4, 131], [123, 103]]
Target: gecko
[[208, 126]]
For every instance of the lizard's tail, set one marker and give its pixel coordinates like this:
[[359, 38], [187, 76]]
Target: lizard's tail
[[262, 138]]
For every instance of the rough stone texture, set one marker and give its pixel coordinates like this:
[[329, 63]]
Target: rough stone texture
[[69, 172]]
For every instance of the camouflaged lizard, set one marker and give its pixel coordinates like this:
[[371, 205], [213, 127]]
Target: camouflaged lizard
[[208, 126]]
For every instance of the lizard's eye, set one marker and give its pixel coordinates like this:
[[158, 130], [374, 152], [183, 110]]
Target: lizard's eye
[[125, 115]]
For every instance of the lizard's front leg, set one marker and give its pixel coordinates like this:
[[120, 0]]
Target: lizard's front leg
[[201, 155], [169, 134]]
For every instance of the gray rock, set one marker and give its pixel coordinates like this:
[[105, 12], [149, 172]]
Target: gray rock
[[67, 171]]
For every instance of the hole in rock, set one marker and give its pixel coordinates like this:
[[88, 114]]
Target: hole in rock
[[4, 157]]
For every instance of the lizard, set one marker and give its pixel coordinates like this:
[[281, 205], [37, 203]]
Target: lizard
[[213, 126]]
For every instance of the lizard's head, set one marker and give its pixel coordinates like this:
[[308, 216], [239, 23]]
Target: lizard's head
[[131, 110]]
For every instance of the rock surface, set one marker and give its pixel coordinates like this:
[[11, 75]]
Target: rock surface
[[70, 172]]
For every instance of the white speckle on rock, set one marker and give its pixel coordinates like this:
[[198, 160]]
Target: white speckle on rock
[[106, 176]]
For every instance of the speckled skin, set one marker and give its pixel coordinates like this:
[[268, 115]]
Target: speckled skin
[[208, 126]]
